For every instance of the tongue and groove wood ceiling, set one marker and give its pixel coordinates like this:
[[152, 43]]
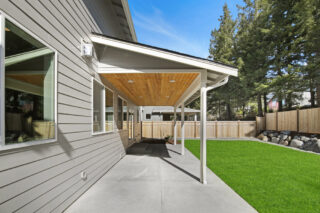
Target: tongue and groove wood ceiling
[[152, 89]]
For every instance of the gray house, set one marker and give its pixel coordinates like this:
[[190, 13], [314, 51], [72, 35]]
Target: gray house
[[72, 78], [166, 113]]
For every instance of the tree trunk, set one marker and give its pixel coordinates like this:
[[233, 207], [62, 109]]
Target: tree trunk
[[312, 95], [318, 94], [229, 113], [265, 107], [280, 104], [260, 114], [289, 101], [219, 110], [243, 111]]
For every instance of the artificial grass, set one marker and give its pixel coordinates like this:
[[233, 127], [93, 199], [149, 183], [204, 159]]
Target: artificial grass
[[270, 178]]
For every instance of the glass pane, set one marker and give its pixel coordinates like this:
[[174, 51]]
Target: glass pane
[[109, 110], [29, 87], [97, 107], [125, 119], [120, 111]]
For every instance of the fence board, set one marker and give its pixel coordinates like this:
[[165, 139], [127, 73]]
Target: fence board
[[287, 120], [271, 122], [221, 129], [304, 121]]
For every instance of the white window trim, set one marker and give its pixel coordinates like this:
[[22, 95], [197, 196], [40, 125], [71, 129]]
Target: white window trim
[[123, 100], [113, 123], [103, 105], [3, 146]]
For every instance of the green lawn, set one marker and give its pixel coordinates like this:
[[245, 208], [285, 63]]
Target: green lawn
[[270, 178]]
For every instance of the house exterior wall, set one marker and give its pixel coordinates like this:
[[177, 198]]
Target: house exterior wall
[[46, 177]]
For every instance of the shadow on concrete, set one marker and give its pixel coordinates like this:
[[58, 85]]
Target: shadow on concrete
[[157, 148]]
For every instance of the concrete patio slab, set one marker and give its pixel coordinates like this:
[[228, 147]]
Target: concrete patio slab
[[156, 178]]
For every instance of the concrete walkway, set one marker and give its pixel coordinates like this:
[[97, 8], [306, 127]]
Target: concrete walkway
[[155, 178]]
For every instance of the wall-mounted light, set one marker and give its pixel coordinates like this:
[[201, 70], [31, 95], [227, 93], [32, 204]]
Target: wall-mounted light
[[172, 81], [130, 81], [86, 49]]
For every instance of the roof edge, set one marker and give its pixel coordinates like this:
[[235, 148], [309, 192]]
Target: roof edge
[[127, 12], [205, 63]]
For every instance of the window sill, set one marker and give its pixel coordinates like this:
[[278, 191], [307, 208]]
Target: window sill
[[26, 144]]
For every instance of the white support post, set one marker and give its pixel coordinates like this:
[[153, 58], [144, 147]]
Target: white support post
[[203, 128], [2, 80], [182, 129], [175, 127]]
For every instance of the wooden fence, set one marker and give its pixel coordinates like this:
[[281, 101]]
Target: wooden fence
[[215, 129], [305, 120]]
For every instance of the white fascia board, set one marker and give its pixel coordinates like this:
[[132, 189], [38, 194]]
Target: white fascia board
[[129, 19], [165, 55]]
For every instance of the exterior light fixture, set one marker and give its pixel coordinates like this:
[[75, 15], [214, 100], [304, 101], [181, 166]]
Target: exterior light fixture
[[130, 81], [172, 81], [86, 49]]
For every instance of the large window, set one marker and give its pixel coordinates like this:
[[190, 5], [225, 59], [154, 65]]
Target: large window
[[98, 107], [109, 110], [28, 87]]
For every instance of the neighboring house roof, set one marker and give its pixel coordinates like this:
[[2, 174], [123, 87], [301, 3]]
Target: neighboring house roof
[[167, 109]]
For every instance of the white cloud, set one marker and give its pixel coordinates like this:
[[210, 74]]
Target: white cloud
[[172, 39]]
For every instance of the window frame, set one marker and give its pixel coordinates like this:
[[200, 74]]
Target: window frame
[[104, 108], [123, 100], [3, 145]]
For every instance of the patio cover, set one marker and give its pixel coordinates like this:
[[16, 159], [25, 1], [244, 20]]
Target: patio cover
[[152, 76]]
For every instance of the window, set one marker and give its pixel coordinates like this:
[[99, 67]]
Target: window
[[120, 114], [109, 111], [28, 87], [125, 115], [148, 116], [131, 128], [98, 106]]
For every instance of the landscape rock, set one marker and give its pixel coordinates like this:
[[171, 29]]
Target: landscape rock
[[275, 140], [314, 139], [296, 143], [308, 145], [296, 137], [265, 139], [304, 138], [260, 137], [284, 142], [316, 148]]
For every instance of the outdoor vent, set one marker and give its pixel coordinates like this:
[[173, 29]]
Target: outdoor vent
[[86, 49]]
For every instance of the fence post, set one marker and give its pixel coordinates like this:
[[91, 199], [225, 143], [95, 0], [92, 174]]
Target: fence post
[[298, 120], [152, 129], [216, 129], [238, 128], [277, 122]]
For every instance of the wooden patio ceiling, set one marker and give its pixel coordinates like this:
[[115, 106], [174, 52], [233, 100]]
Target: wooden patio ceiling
[[152, 89]]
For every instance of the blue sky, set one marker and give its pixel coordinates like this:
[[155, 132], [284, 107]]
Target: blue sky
[[180, 25]]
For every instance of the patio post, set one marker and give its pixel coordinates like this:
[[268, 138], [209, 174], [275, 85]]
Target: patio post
[[175, 126], [182, 128], [203, 130]]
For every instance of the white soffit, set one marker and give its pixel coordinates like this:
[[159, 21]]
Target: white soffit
[[164, 54]]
